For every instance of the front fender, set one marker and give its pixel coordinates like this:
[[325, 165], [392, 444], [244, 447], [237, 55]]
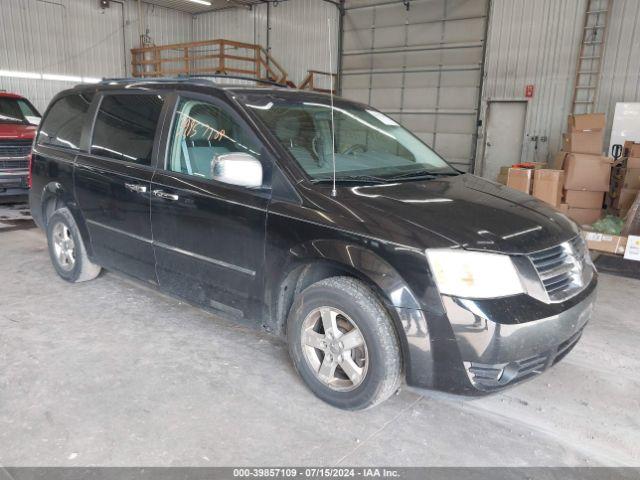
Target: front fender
[[410, 320], [364, 263]]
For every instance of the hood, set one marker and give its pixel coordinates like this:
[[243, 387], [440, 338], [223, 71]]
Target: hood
[[464, 210], [17, 131]]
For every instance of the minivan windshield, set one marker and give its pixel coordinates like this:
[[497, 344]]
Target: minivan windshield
[[368, 144], [17, 110]]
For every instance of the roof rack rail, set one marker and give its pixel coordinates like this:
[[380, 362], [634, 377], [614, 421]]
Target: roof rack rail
[[239, 77], [184, 78]]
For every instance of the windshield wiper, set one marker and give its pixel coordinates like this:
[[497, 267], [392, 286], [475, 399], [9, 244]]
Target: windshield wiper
[[351, 179], [422, 174]]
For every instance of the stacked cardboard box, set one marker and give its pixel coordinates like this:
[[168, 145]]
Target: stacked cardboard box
[[547, 186], [520, 176], [587, 172], [534, 179], [520, 179]]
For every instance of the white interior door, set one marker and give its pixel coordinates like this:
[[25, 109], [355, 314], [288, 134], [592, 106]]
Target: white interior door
[[626, 124], [504, 137]]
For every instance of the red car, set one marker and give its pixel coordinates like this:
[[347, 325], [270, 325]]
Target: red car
[[18, 124]]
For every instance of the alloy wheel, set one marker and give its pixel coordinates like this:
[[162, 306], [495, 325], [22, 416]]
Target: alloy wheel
[[334, 348], [64, 247]]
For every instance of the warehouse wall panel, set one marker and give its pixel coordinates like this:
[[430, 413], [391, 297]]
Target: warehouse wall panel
[[534, 42], [299, 37], [69, 37], [77, 38], [237, 24], [537, 42], [298, 34], [620, 78], [163, 26]]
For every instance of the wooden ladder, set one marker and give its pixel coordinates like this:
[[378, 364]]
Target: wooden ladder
[[589, 64]]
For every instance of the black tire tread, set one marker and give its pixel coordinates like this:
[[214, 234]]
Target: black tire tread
[[87, 270], [384, 330]]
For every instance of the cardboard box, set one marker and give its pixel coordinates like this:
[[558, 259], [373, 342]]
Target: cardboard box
[[584, 216], [588, 121], [520, 179], [632, 149], [502, 176], [584, 199], [534, 165], [558, 160], [633, 162], [564, 208], [587, 172], [583, 142], [631, 179], [606, 243], [547, 186], [632, 252], [625, 199]]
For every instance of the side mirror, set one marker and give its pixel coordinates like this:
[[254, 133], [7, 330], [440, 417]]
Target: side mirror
[[32, 120], [239, 169]]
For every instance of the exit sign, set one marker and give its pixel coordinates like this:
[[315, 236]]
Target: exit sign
[[528, 91]]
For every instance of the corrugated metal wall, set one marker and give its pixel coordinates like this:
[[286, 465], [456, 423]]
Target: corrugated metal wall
[[299, 37], [46, 37], [537, 42], [237, 24], [298, 34], [76, 38], [162, 24], [620, 79]]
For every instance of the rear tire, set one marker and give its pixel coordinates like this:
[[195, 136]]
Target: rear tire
[[343, 344], [66, 249]]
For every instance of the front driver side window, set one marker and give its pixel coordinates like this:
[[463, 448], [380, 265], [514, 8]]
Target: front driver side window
[[201, 132]]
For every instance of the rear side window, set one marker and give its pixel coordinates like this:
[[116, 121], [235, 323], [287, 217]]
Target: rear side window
[[62, 125], [125, 127]]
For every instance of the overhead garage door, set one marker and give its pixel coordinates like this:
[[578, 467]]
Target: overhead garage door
[[421, 65]]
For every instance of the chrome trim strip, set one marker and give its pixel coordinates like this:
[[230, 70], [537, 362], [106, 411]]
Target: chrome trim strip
[[214, 261], [117, 230]]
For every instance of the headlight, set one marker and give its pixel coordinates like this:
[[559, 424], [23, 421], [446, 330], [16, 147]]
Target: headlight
[[466, 274]]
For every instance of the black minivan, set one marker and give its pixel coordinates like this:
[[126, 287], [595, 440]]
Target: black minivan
[[224, 195]]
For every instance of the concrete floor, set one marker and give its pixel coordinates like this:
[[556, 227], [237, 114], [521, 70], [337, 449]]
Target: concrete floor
[[111, 373]]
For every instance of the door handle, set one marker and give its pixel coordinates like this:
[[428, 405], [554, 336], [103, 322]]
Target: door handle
[[165, 195], [135, 187]]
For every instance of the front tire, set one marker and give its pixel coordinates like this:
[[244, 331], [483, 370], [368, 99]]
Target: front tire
[[343, 344], [66, 249]]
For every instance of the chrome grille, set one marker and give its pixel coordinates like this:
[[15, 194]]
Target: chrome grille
[[18, 164], [564, 270], [15, 148]]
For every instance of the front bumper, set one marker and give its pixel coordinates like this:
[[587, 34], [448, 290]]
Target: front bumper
[[500, 345], [13, 183]]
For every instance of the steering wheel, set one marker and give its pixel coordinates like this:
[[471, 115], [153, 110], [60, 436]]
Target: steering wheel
[[358, 147]]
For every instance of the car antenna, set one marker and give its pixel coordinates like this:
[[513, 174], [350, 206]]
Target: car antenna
[[334, 192]]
